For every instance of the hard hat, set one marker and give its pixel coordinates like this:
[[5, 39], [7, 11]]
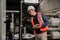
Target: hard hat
[[30, 7]]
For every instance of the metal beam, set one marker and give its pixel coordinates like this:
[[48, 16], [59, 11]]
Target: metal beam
[[54, 29]]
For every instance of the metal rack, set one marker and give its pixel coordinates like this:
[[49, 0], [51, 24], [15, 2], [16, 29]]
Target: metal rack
[[12, 27]]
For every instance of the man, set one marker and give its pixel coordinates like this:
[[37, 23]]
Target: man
[[39, 23]]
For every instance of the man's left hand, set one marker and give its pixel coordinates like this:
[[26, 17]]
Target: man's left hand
[[37, 26]]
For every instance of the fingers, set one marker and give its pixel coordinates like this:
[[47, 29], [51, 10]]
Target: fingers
[[36, 27]]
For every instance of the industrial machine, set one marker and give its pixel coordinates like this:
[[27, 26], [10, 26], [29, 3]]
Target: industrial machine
[[15, 21]]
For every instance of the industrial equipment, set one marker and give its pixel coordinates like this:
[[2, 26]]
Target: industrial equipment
[[15, 20]]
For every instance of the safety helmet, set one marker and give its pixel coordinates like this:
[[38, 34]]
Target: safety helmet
[[30, 7]]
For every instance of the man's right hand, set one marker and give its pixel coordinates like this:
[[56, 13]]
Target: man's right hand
[[34, 27]]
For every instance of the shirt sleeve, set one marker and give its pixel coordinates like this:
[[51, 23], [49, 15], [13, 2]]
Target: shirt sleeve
[[45, 20]]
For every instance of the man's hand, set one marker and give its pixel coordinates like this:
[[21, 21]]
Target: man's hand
[[36, 26]]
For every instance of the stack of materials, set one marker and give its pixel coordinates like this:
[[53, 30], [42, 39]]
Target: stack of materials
[[54, 21]]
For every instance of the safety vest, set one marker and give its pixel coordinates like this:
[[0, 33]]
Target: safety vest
[[40, 21]]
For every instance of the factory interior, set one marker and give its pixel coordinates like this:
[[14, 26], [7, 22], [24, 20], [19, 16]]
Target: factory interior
[[14, 16]]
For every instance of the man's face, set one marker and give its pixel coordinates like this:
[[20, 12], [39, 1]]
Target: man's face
[[31, 12]]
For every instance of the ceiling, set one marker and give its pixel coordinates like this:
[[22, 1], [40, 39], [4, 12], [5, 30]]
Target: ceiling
[[15, 5]]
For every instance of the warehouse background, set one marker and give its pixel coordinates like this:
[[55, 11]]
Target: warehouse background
[[50, 7]]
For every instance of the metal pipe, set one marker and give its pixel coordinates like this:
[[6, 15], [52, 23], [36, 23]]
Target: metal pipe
[[20, 31], [24, 30], [14, 11]]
